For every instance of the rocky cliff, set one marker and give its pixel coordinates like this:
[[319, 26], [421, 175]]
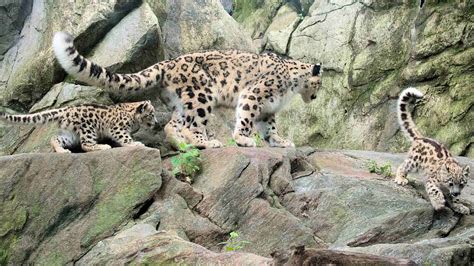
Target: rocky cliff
[[288, 206]]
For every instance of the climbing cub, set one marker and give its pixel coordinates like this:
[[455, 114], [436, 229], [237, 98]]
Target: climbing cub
[[86, 124], [446, 177], [193, 84]]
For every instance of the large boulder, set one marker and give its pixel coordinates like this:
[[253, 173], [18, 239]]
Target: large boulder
[[192, 26], [27, 70], [255, 17], [142, 244], [54, 207], [133, 44], [12, 17]]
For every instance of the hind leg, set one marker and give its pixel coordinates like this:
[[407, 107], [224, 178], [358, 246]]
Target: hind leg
[[89, 142], [248, 111], [435, 194], [458, 207], [123, 138], [173, 130], [60, 143], [194, 130], [268, 127], [402, 171]]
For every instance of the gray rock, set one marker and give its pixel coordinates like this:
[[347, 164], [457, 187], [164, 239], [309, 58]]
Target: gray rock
[[142, 244], [455, 250], [28, 71], [279, 32], [133, 44], [191, 26], [12, 17], [54, 207], [228, 6]]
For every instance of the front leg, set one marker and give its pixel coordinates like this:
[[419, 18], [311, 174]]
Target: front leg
[[268, 128], [402, 171], [436, 195], [89, 142], [173, 130], [123, 139], [248, 110], [459, 207]]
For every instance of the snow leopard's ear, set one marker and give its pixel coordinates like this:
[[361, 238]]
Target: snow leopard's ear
[[141, 108], [316, 70], [466, 171]]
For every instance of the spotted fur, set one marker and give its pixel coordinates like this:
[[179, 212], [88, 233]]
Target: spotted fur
[[446, 177], [87, 124], [194, 84]]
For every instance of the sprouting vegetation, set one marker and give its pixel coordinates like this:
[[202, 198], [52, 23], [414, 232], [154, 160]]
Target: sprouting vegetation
[[384, 170], [258, 139], [188, 163], [234, 242], [231, 143]]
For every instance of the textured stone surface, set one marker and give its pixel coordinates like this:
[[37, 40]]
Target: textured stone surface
[[279, 32], [276, 199], [55, 206], [133, 44], [142, 244], [27, 70], [191, 26], [371, 50]]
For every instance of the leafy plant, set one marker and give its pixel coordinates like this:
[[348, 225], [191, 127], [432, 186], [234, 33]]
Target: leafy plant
[[231, 143], [258, 139], [188, 162], [384, 170], [234, 242]]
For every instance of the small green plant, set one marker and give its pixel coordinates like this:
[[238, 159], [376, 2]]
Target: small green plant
[[258, 139], [234, 242], [384, 170], [188, 163], [231, 143]]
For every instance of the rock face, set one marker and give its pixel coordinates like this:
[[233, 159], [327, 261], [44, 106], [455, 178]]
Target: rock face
[[371, 51], [120, 207], [27, 70], [191, 26], [288, 206], [55, 206], [142, 244]]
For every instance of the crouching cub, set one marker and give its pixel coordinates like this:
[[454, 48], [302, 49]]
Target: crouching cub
[[194, 84], [446, 177], [85, 125]]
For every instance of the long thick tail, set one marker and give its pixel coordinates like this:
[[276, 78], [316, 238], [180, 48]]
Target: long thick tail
[[93, 74], [408, 96], [36, 118]]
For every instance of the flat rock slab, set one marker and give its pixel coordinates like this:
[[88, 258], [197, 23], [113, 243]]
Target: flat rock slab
[[53, 207], [142, 244]]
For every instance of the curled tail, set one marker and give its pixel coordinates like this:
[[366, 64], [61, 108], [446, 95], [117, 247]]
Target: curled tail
[[408, 96], [93, 74], [36, 118]]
